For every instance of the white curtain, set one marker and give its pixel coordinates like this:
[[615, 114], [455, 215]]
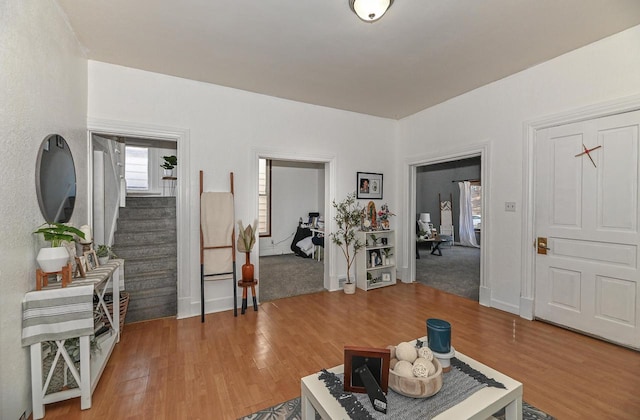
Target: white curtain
[[467, 234]]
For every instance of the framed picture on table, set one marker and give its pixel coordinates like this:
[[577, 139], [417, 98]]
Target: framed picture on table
[[92, 260], [376, 360], [369, 185]]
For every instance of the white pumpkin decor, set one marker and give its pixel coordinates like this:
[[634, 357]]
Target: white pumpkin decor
[[404, 368], [406, 351], [425, 353]]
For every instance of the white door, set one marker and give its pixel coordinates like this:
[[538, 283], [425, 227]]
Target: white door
[[588, 212]]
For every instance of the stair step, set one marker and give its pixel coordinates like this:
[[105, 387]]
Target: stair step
[[136, 266], [130, 252], [138, 213], [151, 281], [144, 238], [154, 312], [146, 202], [145, 225]]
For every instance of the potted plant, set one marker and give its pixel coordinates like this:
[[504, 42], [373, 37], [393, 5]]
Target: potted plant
[[169, 163], [104, 253], [384, 214], [347, 219], [386, 254], [52, 259], [246, 240]]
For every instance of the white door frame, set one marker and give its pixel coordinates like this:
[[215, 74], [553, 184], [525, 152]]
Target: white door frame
[[618, 106], [181, 137], [474, 150], [331, 282]]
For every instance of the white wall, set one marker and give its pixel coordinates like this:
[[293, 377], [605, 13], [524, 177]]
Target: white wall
[[227, 129], [297, 188], [43, 90], [600, 72]]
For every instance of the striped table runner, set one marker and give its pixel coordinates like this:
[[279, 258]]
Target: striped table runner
[[56, 313]]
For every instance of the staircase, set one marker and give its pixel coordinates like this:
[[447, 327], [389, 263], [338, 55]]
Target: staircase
[[146, 239]]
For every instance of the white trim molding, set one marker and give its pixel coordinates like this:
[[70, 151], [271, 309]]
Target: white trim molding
[[330, 186], [530, 129], [181, 137], [483, 150]]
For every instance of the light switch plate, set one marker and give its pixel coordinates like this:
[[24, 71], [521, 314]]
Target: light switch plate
[[509, 206]]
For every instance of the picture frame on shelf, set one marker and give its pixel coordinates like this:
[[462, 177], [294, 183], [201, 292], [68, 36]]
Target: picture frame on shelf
[[369, 185], [377, 360], [92, 260], [81, 266], [386, 277]]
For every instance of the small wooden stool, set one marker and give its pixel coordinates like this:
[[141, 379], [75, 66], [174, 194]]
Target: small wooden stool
[[42, 278], [245, 285]]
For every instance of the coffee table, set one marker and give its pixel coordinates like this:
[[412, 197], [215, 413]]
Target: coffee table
[[481, 405]]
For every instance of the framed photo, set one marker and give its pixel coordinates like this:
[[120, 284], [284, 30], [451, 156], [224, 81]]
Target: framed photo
[[81, 266], [60, 142], [369, 185], [377, 360], [386, 277], [92, 259]]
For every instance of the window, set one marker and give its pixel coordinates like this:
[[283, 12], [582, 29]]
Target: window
[[476, 204], [136, 171], [264, 199]]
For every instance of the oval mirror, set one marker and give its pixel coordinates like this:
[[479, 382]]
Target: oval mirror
[[55, 180]]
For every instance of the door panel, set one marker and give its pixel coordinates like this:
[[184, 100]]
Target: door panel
[[588, 280]]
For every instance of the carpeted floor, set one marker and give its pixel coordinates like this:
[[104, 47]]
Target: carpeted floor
[[457, 271], [289, 275], [290, 410]]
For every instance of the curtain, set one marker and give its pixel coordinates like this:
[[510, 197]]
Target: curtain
[[467, 234]]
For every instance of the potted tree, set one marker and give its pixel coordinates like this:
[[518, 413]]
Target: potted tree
[[169, 163], [348, 213], [53, 259], [246, 240]]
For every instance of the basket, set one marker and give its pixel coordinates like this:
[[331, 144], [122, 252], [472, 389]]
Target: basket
[[124, 304]]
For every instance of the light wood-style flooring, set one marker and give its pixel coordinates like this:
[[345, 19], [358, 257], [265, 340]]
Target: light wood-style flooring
[[229, 367]]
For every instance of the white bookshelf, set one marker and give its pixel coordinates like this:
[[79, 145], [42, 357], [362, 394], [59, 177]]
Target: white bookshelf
[[376, 261]]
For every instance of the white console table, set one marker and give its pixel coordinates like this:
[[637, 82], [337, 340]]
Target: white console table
[[56, 314]]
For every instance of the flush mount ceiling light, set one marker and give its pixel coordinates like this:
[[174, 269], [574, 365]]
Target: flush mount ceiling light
[[370, 10]]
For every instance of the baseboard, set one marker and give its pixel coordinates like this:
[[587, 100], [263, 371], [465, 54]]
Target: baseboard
[[485, 296], [505, 306], [526, 308]]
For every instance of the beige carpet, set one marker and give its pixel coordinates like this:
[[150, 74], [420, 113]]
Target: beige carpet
[[457, 271], [289, 275]]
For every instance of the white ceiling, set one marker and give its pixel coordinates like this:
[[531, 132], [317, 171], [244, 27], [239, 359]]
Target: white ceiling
[[422, 52]]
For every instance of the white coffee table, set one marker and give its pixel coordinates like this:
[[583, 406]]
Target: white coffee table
[[481, 405]]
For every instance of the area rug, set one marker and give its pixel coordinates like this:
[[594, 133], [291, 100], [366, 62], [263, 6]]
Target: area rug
[[290, 410]]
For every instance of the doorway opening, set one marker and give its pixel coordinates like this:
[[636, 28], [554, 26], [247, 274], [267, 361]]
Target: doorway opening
[[292, 206], [447, 256], [427, 196]]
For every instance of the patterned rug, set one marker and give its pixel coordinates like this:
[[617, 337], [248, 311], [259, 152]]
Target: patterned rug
[[290, 410]]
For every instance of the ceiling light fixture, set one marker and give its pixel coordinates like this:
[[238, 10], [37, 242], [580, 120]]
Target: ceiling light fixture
[[370, 10]]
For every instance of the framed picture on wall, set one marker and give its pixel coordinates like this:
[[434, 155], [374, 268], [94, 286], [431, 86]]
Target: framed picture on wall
[[369, 186]]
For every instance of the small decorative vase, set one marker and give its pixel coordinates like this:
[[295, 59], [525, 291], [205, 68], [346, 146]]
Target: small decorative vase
[[349, 288], [51, 260], [247, 269], [168, 172], [103, 260]]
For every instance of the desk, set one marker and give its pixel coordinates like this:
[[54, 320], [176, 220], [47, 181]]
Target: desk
[[315, 397], [435, 245]]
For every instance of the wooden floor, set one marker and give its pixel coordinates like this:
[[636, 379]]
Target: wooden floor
[[229, 367]]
